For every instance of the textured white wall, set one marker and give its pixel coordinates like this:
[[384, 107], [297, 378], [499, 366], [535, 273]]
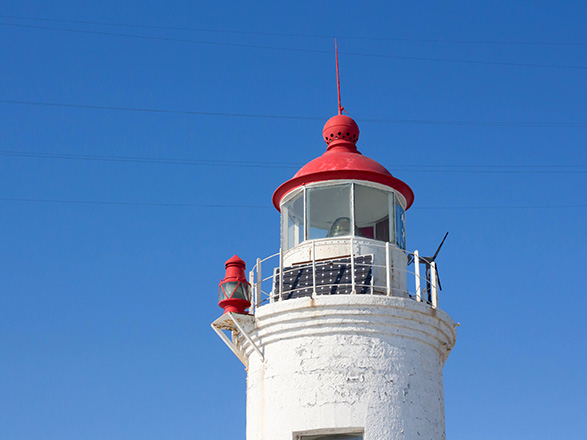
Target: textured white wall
[[348, 361]]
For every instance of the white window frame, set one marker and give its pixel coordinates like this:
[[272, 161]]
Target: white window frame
[[284, 233], [395, 197]]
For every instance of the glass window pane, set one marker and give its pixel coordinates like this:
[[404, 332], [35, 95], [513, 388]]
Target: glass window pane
[[372, 212], [329, 211], [234, 289], [225, 290], [400, 226], [292, 214], [242, 292]]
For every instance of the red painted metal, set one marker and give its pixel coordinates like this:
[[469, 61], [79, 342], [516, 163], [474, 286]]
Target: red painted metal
[[234, 288], [340, 108], [342, 161], [341, 130]]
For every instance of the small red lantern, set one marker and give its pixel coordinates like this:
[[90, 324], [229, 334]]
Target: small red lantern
[[234, 292]]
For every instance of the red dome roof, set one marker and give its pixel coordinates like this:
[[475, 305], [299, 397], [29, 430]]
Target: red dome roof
[[342, 161]]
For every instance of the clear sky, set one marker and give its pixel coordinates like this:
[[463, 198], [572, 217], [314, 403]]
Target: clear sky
[[105, 308]]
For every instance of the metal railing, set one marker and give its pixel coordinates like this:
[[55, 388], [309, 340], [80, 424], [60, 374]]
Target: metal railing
[[383, 278]]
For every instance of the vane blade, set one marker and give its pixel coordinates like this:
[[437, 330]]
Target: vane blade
[[438, 250]]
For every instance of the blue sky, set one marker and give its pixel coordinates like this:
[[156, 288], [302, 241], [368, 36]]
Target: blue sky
[[105, 308]]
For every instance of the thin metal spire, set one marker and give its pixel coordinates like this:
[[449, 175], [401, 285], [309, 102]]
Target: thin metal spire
[[340, 107]]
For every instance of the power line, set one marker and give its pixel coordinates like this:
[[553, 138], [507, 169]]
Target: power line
[[476, 169], [472, 171], [151, 160], [289, 49], [282, 34], [102, 202], [212, 161], [204, 205], [504, 207], [152, 110], [306, 118]]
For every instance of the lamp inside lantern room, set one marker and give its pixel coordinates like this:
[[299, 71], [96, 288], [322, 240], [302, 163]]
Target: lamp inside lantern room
[[234, 291]]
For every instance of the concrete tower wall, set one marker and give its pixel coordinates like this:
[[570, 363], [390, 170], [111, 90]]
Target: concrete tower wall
[[348, 363]]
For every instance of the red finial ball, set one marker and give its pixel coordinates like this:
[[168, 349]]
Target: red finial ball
[[234, 292], [339, 130]]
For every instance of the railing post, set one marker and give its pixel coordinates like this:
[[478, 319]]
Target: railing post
[[417, 274], [254, 290], [314, 269], [372, 279], [388, 267], [353, 287], [258, 285], [280, 273], [433, 285]]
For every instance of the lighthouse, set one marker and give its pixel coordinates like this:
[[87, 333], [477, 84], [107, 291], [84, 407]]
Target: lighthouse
[[344, 337]]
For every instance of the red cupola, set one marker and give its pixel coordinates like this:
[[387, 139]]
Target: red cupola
[[342, 161], [340, 129]]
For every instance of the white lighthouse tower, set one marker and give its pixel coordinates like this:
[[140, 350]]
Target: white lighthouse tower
[[344, 338]]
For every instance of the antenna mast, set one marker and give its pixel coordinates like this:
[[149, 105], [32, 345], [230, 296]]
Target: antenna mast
[[340, 107]]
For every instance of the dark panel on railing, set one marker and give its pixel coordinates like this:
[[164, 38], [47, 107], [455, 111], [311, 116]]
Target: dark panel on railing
[[333, 277]]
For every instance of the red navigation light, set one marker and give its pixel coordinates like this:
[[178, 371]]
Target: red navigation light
[[234, 292]]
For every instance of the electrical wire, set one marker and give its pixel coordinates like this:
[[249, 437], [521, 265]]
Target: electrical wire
[[297, 35], [502, 207], [303, 118], [151, 160], [205, 205], [475, 169], [289, 49], [152, 110], [106, 202]]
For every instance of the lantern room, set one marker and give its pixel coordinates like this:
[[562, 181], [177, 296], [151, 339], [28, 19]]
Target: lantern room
[[346, 210], [343, 209]]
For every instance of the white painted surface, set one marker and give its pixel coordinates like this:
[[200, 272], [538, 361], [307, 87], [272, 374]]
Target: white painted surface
[[347, 362]]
